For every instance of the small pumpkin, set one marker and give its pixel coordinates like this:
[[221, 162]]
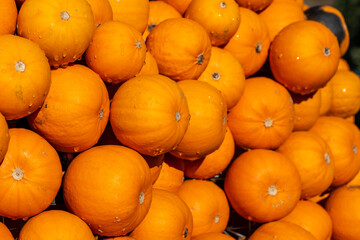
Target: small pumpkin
[[150, 66], [4, 137], [179, 5], [102, 11], [213, 236], [254, 5], [155, 165], [326, 94], [343, 65], [5, 233], [8, 17]]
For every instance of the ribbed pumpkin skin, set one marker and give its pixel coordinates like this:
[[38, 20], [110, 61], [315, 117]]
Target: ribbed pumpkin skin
[[5, 233], [102, 11], [179, 5], [8, 16], [4, 137]]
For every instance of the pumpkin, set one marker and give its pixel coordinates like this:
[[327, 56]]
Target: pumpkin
[[150, 114], [100, 181], [326, 94], [313, 159], [171, 175], [208, 205], [31, 175], [345, 99], [304, 64], [158, 12], [214, 163], [313, 218], [343, 139], [262, 185], [5, 233], [213, 236], [254, 5], [8, 16], [333, 19], [281, 230], [121, 60], [343, 65], [102, 11], [181, 48], [24, 77], [220, 19], [4, 137], [67, 102], [155, 165], [342, 206], [179, 5], [121, 238], [43, 22], [150, 66], [52, 224], [250, 43], [225, 73], [281, 13], [134, 12], [264, 116], [207, 125], [168, 218]]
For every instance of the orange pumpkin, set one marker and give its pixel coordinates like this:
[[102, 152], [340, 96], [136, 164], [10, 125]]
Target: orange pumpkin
[[168, 218], [8, 16], [155, 165], [207, 125], [281, 13], [121, 60], [52, 224], [67, 102], [98, 184], [150, 114], [250, 43], [31, 175], [343, 65], [5, 233], [313, 159], [281, 230], [220, 19], [342, 206], [24, 77], [102, 11], [225, 73], [4, 137], [326, 94], [313, 218], [181, 48], [43, 22], [134, 12], [179, 5], [213, 236], [171, 175], [254, 5], [208, 205], [262, 185], [121, 238], [304, 64], [150, 66], [355, 180], [264, 116]]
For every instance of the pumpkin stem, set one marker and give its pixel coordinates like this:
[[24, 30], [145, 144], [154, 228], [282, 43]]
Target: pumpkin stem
[[327, 158], [224, 121], [101, 114], [272, 191], [65, 15], [18, 174], [326, 51], [355, 149], [200, 59], [151, 26], [20, 66], [258, 47], [186, 232], [141, 198], [177, 116], [223, 5], [216, 76], [268, 122], [138, 44], [216, 219]]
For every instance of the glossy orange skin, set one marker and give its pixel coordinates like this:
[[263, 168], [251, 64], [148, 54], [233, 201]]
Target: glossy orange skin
[[213, 236], [20, 97], [342, 206], [326, 94], [220, 18], [179, 5], [181, 48], [5, 233], [307, 110], [313, 159], [110, 188], [313, 218], [42, 174], [4, 137], [67, 102], [225, 73], [8, 16], [155, 165], [207, 125], [58, 224], [43, 22], [116, 52], [254, 5], [150, 66], [168, 218], [343, 65], [150, 114], [247, 120], [208, 205], [305, 57], [102, 11], [134, 12], [262, 185], [250, 43]]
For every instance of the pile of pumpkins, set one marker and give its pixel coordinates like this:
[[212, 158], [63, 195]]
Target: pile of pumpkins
[[177, 119]]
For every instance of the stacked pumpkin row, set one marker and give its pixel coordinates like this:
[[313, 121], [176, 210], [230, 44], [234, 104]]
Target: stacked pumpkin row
[[140, 94]]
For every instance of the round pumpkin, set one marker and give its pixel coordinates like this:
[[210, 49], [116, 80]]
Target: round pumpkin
[[4, 137], [343, 65], [150, 114], [150, 66], [220, 19], [102, 11], [254, 5], [24, 77], [5, 233], [179, 5], [207, 125], [262, 185], [43, 22], [31, 175], [121, 238], [250, 43], [264, 115], [155, 165], [213, 236], [100, 181], [326, 94], [225, 73], [168, 218], [8, 17], [181, 48], [116, 52], [208, 205], [55, 224], [72, 119], [304, 64]]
